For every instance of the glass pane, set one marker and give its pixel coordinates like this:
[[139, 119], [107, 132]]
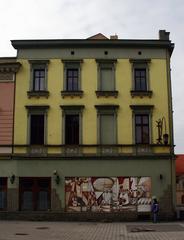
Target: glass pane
[[2, 199], [42, 84], [42, 73], [43, 200], [143, 73], [145, 119], [72, 80], [39, 79], [75, 84], [27, 200], [36, 84], [137, 119], [145, 134], [72, 129], [138, 134], [143, 84], [140, 79], [37, 129]]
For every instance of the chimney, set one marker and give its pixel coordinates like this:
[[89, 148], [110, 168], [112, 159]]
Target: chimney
[[114, 37], [163, 35]]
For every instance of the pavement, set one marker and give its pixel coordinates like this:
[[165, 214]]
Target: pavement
[[90, 230]]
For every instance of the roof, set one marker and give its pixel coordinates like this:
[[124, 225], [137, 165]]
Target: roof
[[180, 164], [98, 36]]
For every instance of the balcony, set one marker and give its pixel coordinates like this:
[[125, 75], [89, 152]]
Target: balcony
[[86, 150]]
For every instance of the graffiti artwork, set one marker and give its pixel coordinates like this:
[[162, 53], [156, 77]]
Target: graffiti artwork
[[108, 194]]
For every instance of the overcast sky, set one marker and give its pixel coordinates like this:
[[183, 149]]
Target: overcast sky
[[129, 19]]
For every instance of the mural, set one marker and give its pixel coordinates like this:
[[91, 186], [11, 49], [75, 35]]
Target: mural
[[108, 194]]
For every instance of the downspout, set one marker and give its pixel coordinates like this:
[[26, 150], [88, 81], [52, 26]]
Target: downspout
[[171, 130], [13, 128]]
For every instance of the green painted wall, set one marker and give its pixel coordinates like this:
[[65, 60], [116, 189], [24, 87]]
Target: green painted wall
[[84, 168]]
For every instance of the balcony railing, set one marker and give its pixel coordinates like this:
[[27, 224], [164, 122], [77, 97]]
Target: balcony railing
[[85, 150]]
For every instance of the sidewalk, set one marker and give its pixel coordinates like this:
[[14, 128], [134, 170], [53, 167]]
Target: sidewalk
[[12, 230]]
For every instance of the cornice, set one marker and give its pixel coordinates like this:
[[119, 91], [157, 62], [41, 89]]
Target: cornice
[[83, 43], [10, 67]]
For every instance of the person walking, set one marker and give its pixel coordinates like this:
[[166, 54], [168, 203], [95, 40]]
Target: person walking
[[155, 210]]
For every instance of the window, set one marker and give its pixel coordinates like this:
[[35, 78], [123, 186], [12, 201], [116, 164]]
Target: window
[[107, 124], [37, 129], [72, 124], [142, 123], [106, 78], [38, 78], [71, 129], [37, 124], [140, 77], [35, 193], [3, 193], [72, 78], [141, 128]]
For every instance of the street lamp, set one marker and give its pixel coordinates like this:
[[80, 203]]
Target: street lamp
[[165, 137]]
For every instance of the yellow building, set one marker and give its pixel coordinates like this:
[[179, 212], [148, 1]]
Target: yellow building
[[93, 128]]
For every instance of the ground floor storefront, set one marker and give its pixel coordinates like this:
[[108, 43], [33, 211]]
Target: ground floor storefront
[[118, 186]]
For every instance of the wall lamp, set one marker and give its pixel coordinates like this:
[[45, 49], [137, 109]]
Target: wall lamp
[[12, 178], [56, 177], [161, 122]]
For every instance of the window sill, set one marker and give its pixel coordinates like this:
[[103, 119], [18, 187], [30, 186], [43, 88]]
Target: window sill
[[141, 94], [107, 94], [72, 94], [38, 94]]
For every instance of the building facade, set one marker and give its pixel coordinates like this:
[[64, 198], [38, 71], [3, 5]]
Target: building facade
[[8, 69], [93, 130]]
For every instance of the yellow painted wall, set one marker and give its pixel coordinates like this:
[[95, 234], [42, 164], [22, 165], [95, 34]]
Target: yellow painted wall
[[158, 84]]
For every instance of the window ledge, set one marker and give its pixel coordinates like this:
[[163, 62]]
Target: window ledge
[[38, 94], [72, 93], [141, 94], [107, 94]]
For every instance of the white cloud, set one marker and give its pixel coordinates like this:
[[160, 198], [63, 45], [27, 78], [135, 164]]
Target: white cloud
[[23, 19]]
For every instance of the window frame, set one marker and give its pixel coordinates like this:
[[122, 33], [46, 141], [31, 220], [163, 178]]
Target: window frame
[[72, 110], [69, 65], [141, 64], [142, 125], [36, 65], [142, 110], [107, 110], [35, 189], [106, 64], [36, 110]]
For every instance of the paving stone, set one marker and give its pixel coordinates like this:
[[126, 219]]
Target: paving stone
[[14, 230]]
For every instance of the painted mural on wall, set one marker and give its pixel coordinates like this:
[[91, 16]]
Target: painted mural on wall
[[108, 194]]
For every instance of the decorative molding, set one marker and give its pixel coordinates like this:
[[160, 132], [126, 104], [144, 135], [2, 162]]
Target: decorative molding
[[140, 61], [72, 94], [141, 94], [10, 67], [37, 107], [106, 93], [141, 107], [38, 94], [72, 107]]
